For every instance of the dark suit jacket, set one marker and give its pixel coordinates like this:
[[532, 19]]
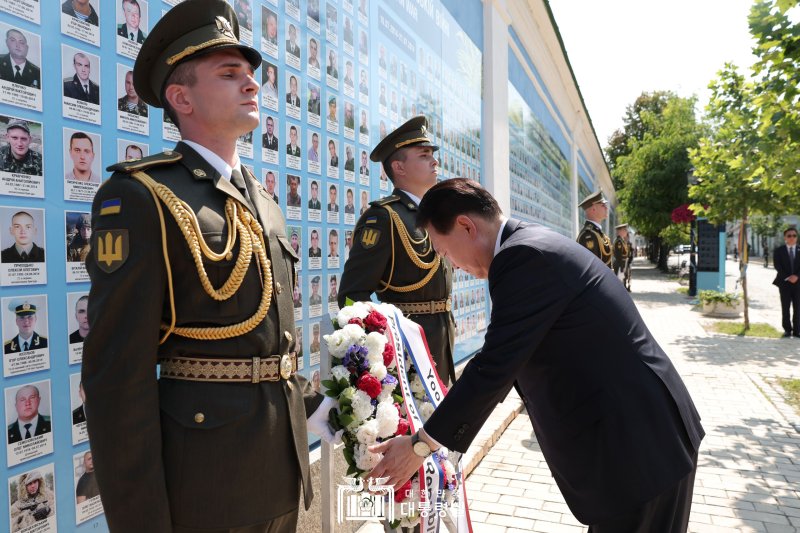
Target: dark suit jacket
[[295, 152], [293, 101], [31, 74], [74, 89], [42, 427], [10, 255], [269, 145], [157, 466], [122, 31], [613, 418], [780, 260]]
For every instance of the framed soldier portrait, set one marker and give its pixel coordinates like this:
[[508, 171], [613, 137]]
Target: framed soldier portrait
[[82, 165], [332, 158], [363, 11], [314, 345], [29, 10], [312, 16], [349, 120], [349, 164], [80, 71], [77, 325], [294, 150], [269, 85], [244, 145], [348, 35], [132, 27], [314, 296], [297, 299], [269, 140], [294, 200], [81, 20], [313, 68], [363, 127], [77, 412], [332, 68], [292, 8], [128, 150], [26, 346], [349, 79], [293, 97], [29, 426], [331, 23], [269, 32], [132, 112], [22, 236], [20, 68], [32, 501], [332, 206], [295, 234], [313, 153], [78, 227], [87, 492], [314, 213], [333, 248], [314, 249], [293, 50], [314, 104], [333, 293], [270, 182], [244, 12], [363, 86], [21, 157]]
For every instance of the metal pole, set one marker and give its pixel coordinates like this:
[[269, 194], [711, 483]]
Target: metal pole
[[693, 259]]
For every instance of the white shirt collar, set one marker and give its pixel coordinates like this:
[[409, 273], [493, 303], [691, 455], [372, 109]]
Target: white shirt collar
[[500, 235], [415, 199], [213, 159], [599, 226], [20, 65]]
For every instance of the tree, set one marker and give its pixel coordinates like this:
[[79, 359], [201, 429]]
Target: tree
[[653, 173], [729, 165]]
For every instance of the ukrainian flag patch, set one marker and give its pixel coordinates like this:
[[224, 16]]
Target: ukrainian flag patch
[[111, 207], [371, 220]]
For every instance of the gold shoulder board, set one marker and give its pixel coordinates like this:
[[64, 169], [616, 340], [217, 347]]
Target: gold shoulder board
[[132, 165]]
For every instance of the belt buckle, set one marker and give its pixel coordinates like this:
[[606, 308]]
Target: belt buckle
[[256, 376], [286, 366], [448, 305]]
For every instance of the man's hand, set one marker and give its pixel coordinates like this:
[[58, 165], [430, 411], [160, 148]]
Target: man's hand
[[399, 461], [792, 279]]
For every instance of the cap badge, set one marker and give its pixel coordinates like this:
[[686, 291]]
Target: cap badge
[[423, 130], [224, 26], [26, 307]]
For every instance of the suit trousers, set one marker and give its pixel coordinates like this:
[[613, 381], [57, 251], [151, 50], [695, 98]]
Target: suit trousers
[[283, 524], [666, 513], [790, 297]]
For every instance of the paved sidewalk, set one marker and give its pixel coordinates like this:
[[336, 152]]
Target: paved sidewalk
[[749, 473]]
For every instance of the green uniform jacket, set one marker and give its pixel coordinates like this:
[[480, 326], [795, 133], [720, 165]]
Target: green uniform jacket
[[370, 261], [597, 242], [620, 254], [158, 463]]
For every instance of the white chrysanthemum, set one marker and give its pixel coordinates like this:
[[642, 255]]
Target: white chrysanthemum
[[426, 410], [353, 334], [375, 343], [357, 310], [388, 418], [337, 343], [416, 385], [377, 370], [365, 459], [362, 406], [367, 432], [386, 393], [340, 372]]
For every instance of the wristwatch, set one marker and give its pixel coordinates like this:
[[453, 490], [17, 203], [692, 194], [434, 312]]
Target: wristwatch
[[420, 447]]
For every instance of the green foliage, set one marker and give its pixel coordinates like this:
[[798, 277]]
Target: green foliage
[[765, 225], [675, 234], [737, 328], [729, 298]]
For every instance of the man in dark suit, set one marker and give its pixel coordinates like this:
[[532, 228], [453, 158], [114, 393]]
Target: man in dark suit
[[269, 140], [787, 263], [130, 28], [29, 422], [614, 421], [79, 86], [152, 465], [292, 98], [293, 148], [14, 66], [415, 279], [24, 250]]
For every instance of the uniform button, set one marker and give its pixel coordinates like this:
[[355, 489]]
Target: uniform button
[[199, 418], [457, 437], [278, 287], [288, 336]]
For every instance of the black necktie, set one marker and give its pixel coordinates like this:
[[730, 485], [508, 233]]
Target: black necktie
[[86, 89], [18, 74], [25, 346], [238, 181], [791, 257], [132, 39], [28, 431], [24, 256]]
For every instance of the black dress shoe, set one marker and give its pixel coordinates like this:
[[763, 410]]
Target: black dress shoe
[[787, 335]]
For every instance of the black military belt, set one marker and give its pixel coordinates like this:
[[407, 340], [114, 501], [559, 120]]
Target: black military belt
[[253, 370], [424, 308]]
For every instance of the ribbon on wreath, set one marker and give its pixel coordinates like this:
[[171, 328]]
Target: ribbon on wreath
[[408, 337]]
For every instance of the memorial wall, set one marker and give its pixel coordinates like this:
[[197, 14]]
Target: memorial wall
[[336, 76]]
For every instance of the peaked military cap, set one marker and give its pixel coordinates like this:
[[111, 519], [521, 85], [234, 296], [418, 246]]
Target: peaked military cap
[[21, 124], [315, 279], [621, 226], [22, 308], [413, 133], [594, 198], [188, 30]]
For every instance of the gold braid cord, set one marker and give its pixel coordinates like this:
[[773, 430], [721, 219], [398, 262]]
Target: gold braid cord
[[408, 242], [251, 243]]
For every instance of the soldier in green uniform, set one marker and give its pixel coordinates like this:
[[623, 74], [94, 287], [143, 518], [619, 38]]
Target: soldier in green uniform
[[395, 260], [17, 155], [316, 297], [191, 270], [622, 256], [591, 236]]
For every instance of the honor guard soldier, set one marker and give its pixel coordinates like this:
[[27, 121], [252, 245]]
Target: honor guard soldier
[[191, 270], [622, 256], [394, 259], [591, 236]]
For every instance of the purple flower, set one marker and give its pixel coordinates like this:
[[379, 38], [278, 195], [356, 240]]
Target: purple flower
[[389, 380], [355, 359]]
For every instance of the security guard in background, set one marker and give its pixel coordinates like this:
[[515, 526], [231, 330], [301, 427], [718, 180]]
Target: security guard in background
[[394, 259], [591, 236], [622, 256], [191, 269]]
